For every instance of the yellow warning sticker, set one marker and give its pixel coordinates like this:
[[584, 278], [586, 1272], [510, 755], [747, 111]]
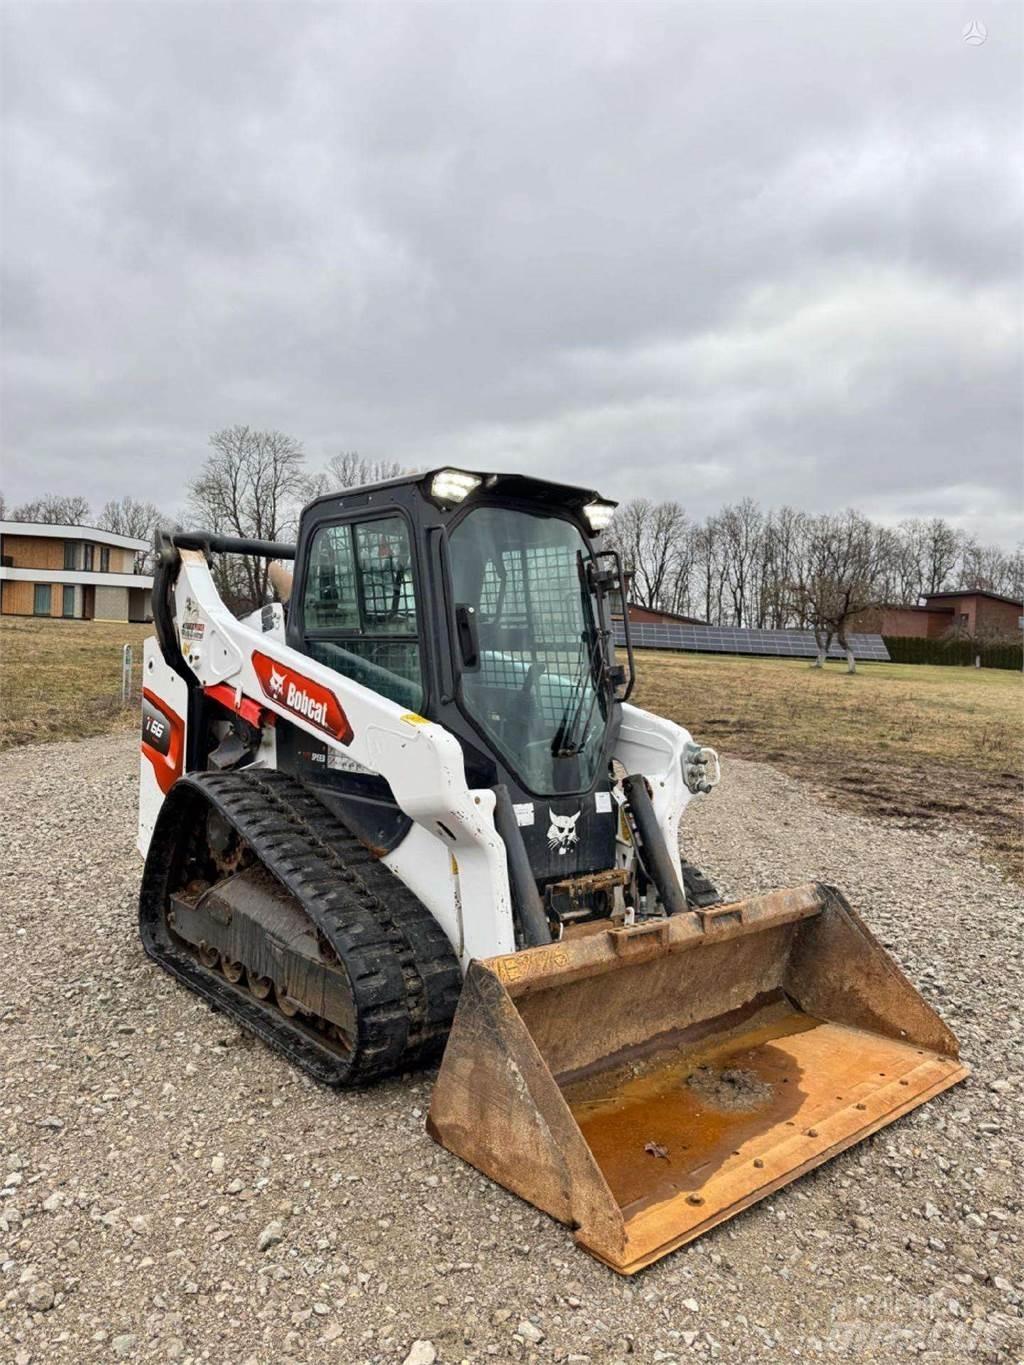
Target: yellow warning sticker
[[535, 962], [413, 719]]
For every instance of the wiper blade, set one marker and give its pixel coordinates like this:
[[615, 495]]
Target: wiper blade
[[571, 710], [577, 746], [565, 744]]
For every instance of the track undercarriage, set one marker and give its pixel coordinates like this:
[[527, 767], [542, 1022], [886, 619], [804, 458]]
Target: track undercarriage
[[260, 900]]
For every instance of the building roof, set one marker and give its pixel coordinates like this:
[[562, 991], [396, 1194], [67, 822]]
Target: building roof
[[915, 606], [974, 592], [668, 615], [51, 532]]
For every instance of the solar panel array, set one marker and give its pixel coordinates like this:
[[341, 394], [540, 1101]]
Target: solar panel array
[[781, 644]]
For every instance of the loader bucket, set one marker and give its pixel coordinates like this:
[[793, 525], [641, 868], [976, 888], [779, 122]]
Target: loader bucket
[[643, 1084]]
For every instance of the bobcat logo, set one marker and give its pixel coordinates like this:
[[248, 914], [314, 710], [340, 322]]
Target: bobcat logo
[[562, 832], [276, 682]]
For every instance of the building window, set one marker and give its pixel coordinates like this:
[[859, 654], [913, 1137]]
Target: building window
[[69, 554], [104, 559], [87, 557], [41, 600], [69, 602]]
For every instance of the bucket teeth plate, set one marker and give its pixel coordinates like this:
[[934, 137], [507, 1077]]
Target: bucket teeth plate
[[644, 1084]]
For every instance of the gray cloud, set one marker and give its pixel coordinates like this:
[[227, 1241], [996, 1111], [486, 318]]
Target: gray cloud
[[688, 250]]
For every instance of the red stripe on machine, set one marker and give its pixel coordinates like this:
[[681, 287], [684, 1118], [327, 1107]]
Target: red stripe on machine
[[163, 739], [245, 707], [310, 701]]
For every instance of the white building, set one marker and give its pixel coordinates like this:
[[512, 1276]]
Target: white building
[[71, 571]]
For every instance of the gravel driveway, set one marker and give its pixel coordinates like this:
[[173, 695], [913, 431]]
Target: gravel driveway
[[148, 1149]]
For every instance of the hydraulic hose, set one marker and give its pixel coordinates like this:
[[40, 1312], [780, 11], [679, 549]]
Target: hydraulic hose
[[525, 897], [654, 854]]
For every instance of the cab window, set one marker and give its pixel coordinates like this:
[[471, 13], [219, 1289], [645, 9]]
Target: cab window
[[359, 607]]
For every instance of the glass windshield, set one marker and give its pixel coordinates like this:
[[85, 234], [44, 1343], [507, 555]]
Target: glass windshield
[[536, 690]]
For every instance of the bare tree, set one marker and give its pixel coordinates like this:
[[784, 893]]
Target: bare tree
[[129, 517], [838, 580], [349, 469], [780, 553], [933, 548], [986, 567], [1013, 580], [741, 527], [679, 587], [252, 485], [3, 508], [647, 535], [772, 570], [55, 509], [709, 569]]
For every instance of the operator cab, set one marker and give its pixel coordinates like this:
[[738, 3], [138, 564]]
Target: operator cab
[[479, 601]]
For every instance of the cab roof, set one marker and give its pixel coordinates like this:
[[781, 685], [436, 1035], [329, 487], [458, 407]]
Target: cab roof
[[512, 486]]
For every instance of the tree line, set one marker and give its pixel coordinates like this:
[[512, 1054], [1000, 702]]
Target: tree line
[[783, 568], [253, 484], [742, 566]]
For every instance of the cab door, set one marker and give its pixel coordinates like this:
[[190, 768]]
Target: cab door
[[357, 613]]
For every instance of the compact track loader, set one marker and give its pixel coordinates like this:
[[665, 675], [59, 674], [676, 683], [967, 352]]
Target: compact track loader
[[409, 809]]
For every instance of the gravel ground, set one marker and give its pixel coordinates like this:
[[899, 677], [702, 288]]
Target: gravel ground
[[173, 1191]]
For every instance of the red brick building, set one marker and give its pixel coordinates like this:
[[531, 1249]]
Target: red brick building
[[651, 616], [973, 613]]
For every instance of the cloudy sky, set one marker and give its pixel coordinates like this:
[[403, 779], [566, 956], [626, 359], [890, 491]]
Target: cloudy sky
[[685, 250]]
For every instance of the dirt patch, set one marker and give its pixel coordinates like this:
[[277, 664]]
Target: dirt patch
[[920, 747], [926, 796], [733, 1088]]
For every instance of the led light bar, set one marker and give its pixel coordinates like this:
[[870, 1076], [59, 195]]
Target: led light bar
[[599, 514], [452, 485]]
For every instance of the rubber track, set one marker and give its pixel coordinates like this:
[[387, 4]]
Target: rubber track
[[404, 975]]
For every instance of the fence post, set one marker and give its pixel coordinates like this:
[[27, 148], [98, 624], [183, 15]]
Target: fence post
[[126, 674]]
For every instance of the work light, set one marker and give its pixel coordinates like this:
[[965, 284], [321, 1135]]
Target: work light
[[599, 514], [452, 485]]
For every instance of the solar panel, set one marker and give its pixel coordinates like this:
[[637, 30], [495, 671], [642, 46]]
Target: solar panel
[[781, 644]]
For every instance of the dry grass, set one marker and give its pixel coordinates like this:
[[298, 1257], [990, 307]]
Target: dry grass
[[909, 741], [62, 679], [765, 708]]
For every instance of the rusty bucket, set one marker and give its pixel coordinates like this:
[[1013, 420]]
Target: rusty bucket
[[643, 1084]]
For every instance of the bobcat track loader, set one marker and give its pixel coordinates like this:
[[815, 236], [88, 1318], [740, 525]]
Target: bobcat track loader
[[412, 811]]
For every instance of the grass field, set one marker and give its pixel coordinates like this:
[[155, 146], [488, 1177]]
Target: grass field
[[62, 679], [907, 741]]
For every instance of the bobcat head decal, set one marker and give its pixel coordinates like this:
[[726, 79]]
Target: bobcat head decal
[[562, 832], [276, 682]]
